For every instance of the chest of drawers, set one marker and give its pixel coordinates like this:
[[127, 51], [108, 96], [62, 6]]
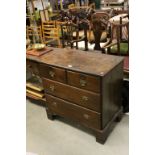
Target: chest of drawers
[[84, 87]]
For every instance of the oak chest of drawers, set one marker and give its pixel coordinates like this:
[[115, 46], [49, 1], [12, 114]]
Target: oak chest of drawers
[[84, 87]]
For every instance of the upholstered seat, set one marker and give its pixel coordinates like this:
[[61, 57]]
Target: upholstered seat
[[123, 49], [91, 37]]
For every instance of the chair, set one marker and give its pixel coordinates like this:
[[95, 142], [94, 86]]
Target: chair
[[120, 45], [114, 3], [92, 5], [99, 31], [34, 33], [58, 25], [50, 33], [70, 34], [44, 15]]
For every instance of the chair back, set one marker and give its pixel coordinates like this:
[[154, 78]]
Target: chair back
[[34, 33], [99, 24], [67, 31], [44, 15], [50, 32]]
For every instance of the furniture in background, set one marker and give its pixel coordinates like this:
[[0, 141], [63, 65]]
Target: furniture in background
[[119, 44], [51, 34], [58, 25], [70, 34], [34, 33], [99, 28], [83, 89], [44, 15], [113, 3]]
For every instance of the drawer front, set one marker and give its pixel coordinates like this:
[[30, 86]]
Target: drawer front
[[74, 112], [53, 73], [81, 97], [84, 81], [32, 66]]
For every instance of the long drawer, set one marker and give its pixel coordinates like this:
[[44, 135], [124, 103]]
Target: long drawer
[[84, 81], [66, 109], [81, 97], [53, 73]]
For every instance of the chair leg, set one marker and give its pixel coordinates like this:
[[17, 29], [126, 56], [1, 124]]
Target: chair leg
[[71, 44], [77, 45], [103, 50], [59, 44]]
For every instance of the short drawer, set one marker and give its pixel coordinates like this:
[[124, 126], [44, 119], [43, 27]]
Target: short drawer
[[32, 66], [81, 97], [74, 112], [53, 73], [84, 81]]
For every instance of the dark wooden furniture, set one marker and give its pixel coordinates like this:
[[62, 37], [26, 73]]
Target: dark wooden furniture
[[119, 44], [100, 29], [71, 34], [84, 87]]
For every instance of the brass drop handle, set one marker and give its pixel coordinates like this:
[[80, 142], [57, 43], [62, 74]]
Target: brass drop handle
[[83, 82], [86, 116], [54, 104], [52, 88], [51, 73], [84, 98]]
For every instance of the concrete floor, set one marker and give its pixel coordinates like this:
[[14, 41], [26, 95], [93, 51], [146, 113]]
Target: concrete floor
[[58, 137]]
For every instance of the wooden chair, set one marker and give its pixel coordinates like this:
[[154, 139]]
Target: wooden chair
[[70, 34], [99, 31], [34, 33], [58, 25], [114, 3], [51, 33], [44, 15], [92, 5], [71, 6], [120, 44]]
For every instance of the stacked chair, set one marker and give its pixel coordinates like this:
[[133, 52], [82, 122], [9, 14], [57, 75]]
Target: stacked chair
[[50, 33]]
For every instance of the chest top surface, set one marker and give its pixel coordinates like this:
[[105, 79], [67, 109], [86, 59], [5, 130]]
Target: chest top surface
[[87, 62]]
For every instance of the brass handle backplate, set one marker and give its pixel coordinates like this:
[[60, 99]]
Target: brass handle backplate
[[51, 73], [84, 98], [83, 82], [54, 104], [52, 88], [86, 116]]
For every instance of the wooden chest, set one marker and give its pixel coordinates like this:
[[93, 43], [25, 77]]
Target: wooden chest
[[84, 87]]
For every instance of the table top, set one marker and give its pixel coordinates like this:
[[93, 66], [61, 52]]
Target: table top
[[94, 63], [116, 19]]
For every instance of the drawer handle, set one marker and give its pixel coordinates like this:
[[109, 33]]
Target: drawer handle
[[51, 73], [52, 88], [54, 104], [83, 83], [86, 116], [84, 98]]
